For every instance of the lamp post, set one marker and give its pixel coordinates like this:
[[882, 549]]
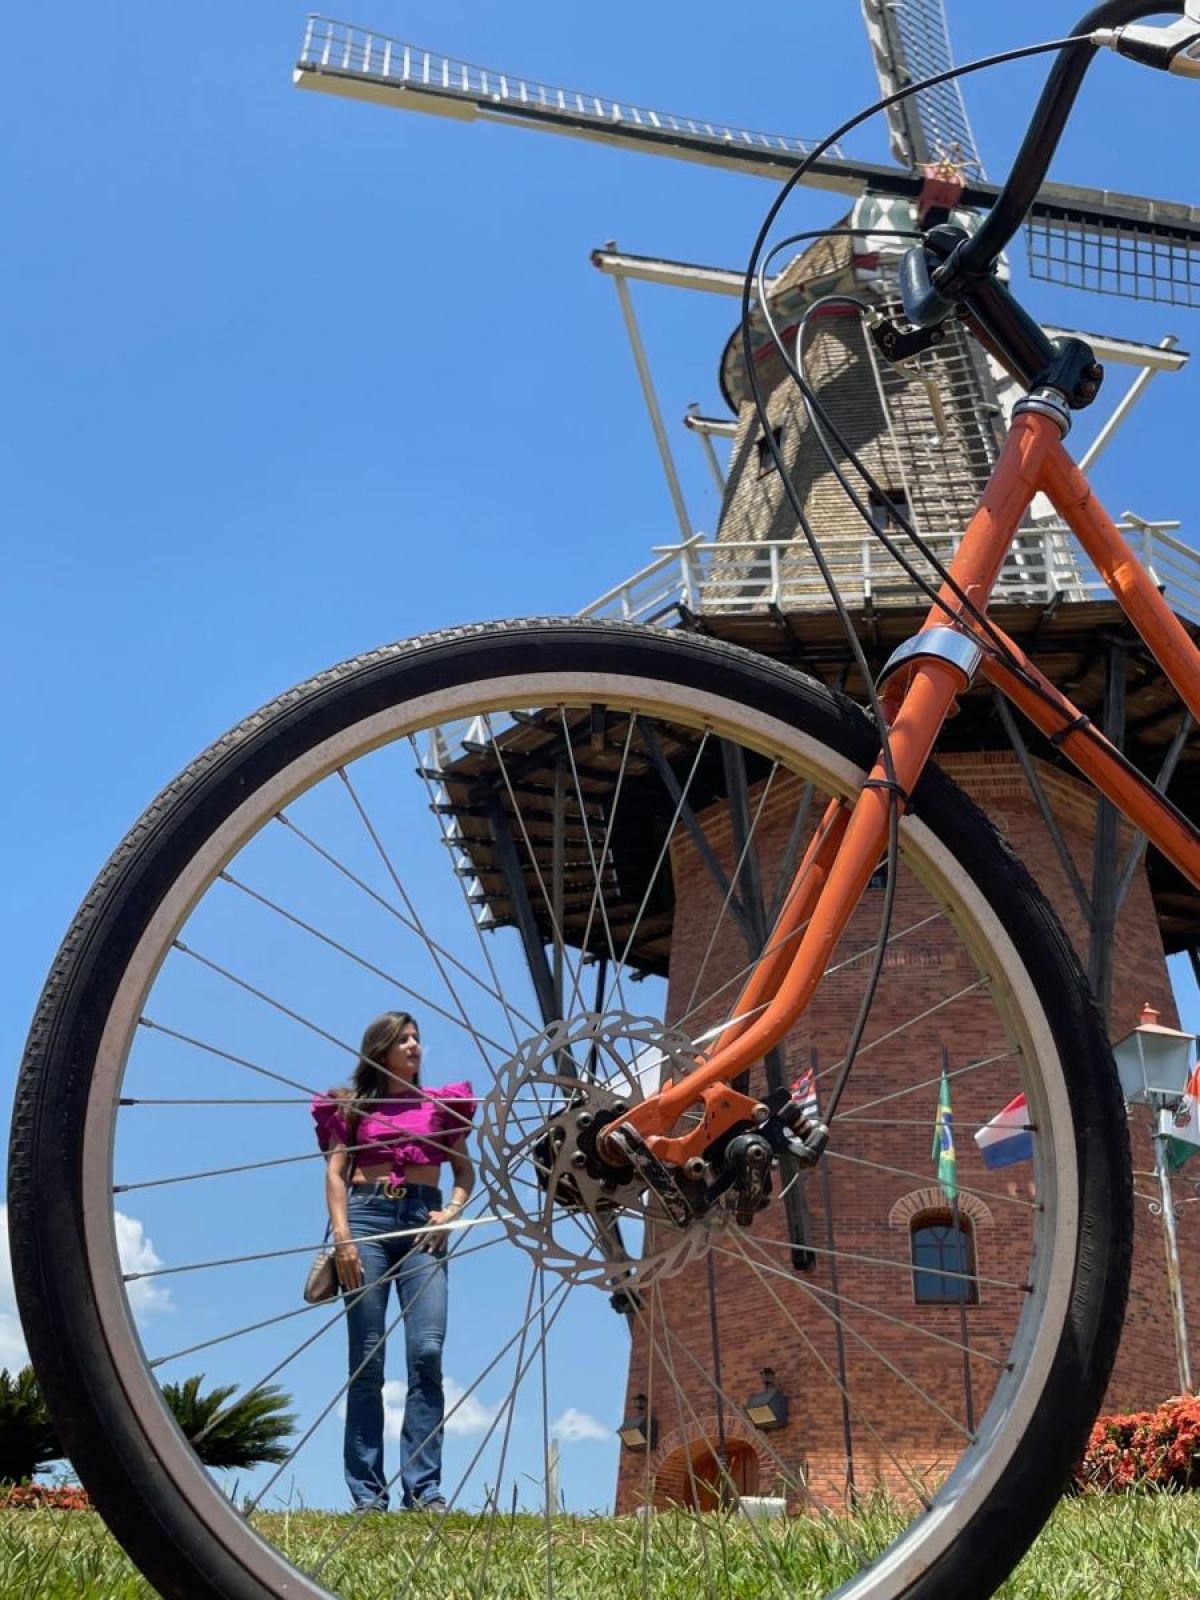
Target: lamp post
[[639, 1430], [768, 1409], [1154, 1063]]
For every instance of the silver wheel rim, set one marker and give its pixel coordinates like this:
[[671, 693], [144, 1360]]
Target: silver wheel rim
[[1045, 1308]]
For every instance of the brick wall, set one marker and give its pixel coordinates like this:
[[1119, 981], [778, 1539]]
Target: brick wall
[[781, 1319]]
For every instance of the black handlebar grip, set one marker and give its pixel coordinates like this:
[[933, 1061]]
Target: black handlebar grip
[[924, 307]]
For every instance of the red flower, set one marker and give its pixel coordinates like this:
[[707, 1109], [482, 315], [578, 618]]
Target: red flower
[[1160, 1447], [36, 1497]]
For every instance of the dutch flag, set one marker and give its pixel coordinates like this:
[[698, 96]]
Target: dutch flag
[[1007, 1137]]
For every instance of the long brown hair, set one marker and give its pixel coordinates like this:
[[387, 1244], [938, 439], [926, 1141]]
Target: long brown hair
[[371, 1080]]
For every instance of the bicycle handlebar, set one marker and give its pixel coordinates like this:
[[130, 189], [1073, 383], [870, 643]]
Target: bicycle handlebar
[[932, 292]]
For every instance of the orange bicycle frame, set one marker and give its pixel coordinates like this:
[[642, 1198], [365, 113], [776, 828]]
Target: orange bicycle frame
[[851, 839]]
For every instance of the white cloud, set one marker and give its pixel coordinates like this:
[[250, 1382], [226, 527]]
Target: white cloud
[[462, 1419], [472, 1416], [137, 1254], [13, 1354], [574, 1425], [393, 1407]]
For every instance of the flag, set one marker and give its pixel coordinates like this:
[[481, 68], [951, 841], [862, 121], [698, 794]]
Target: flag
[[804, 1094], [943, 1143], [1007, 1137], [1184, 1140]]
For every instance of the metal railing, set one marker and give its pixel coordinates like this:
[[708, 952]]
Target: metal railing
[[656, 592], [744, 576], [343, 48], [732, 577]]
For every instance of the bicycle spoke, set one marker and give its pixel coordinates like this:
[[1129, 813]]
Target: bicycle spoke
[[902, 1469], [864, 1259], [424, 1000], [479, 942], [547, 899], [306, 1156], [1017, 1200], [709, 1381], [719, 921], [225, 1055], [238, 1333], [597, 903], [439, 951], [387, 1276], [872, 1349], [787, 1275], [663, 852], [777, 944], [290, 1250], [560, 1292], [926, 1084]]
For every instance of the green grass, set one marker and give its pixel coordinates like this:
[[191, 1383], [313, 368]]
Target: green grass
[[1130, 1547]]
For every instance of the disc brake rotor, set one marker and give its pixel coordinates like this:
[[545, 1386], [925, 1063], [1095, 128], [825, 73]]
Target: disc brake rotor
[[573, 1213]]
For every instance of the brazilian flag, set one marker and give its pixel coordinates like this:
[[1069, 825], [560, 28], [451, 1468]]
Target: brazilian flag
[[943, 1143]]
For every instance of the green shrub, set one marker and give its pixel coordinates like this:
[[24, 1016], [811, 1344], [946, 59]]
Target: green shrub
[[224, 1431], [28, 1440]]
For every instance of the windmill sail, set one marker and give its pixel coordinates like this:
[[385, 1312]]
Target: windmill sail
[[339, 58], [1135, 259], [910, 41]]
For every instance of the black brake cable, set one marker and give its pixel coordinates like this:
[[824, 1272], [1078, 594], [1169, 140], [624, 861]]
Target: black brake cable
[[806, 528], [822, 424], [824, 429]]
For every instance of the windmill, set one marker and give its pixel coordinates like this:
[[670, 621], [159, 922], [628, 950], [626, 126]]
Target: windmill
[[934, 439], [929, 434]]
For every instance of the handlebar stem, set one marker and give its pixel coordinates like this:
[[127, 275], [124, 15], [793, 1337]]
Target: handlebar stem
[[998, 321]]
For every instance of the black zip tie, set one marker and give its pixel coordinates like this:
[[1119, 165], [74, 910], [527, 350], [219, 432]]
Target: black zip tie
[[1076, 725], [887, 783]]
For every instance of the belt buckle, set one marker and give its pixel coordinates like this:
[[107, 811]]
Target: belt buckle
[[394, 1188]]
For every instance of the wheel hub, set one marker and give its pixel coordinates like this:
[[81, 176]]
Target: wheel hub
[[572, 1212]]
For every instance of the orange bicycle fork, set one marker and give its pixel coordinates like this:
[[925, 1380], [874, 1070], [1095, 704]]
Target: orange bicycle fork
[[926, 678]]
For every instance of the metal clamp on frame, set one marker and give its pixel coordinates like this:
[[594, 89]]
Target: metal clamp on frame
[[1047, 402], [951, 645]]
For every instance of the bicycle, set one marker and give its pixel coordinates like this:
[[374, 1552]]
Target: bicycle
[[624, 1156]]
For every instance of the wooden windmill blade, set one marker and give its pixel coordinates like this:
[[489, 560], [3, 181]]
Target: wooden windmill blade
[[1087, 237]]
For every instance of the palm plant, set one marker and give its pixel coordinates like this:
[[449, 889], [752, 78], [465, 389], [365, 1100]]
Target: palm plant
[[250, 1431], [28, 1441], [246, 1433]]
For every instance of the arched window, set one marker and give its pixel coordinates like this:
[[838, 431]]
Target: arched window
[[943, 1259]]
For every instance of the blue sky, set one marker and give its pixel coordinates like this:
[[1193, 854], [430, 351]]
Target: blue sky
[[290, 377]]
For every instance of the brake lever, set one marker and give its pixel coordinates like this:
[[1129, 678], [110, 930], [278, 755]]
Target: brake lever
[[1171, 49]]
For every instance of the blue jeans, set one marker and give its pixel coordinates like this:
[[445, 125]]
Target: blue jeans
[[420, 1280]]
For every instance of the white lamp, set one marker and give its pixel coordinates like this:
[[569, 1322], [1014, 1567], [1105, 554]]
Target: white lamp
[[1153, 1061]]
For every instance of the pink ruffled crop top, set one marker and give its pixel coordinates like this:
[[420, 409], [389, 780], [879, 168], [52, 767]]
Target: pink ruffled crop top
[[407, 1130]]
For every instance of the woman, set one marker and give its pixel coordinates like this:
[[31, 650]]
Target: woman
[[386, 1138]]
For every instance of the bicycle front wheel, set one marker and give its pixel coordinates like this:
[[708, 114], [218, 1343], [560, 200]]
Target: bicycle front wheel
[[558, 845]]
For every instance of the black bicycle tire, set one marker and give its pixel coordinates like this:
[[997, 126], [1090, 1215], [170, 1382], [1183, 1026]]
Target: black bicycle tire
[[163, 1532]]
